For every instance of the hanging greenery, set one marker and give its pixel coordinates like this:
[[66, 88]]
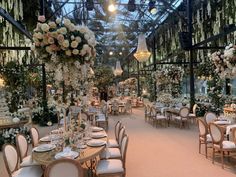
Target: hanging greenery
[[205, 70], [14, 76]]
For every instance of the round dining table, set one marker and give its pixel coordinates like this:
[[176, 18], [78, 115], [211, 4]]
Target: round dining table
[[87, 154]]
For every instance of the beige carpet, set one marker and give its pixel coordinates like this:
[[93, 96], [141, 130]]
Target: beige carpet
[[161, 152]]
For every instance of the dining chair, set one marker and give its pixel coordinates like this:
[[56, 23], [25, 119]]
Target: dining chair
[[110, 167], [102, 119], [148, 113], [113, 143], [210, 117], [204, 136], [219, 144], [182, 119], [128, 107], [159, 119], [192, 115], [115, 107], [114, 153], [11, 159], [153, 114], [34, 133], [64, 168], [22, 147]]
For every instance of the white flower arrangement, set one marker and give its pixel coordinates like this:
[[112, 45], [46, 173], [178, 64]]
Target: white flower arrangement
[[68, 50], [168, 75], [225, 63]]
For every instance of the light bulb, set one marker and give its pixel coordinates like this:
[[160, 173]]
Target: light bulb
[[111, 8]]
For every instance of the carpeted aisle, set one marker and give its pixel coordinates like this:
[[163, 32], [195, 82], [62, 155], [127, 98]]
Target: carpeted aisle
[[160, 152]]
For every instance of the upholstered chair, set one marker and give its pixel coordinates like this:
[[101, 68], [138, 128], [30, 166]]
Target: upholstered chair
[[10, 156]]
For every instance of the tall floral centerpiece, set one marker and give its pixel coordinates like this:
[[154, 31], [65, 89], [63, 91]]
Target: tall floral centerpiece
[[67, 50], [168, 79], [225, 62]]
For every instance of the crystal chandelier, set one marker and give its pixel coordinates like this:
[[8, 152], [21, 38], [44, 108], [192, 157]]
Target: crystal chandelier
[[118, 70], [142, 54]]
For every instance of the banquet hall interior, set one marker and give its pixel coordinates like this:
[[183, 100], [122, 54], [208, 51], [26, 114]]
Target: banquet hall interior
[[123, 88]]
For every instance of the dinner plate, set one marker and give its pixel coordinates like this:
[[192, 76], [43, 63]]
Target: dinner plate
[[98, 135], [96, 143], [49, 138], [83, 146], [44, 148], [222, 122], [69, 155], [96, 129]]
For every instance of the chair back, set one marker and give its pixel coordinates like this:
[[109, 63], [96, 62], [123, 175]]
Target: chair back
[[64, 168], [124, 146], [194, 108], [184, 112], [10, 157], [34, 136], [74, 110], [148, 109], [153, 111], [234, 134], [210, 117], [22, 146], [202, 127], [121, 135], [216, 133], [117, 129]]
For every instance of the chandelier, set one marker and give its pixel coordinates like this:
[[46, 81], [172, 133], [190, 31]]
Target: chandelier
[[118, 70], [142, 54]]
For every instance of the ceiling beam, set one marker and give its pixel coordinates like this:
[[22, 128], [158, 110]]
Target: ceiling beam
[[11, 20], [14, 48]]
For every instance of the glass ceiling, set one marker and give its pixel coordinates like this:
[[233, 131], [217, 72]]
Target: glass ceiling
[[116, 31]]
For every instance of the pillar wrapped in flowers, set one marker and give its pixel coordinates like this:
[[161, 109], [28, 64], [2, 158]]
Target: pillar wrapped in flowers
[[67, 50]]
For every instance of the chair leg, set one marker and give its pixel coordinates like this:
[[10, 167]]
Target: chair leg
[[213, 155], [199, 147], [222, 159]]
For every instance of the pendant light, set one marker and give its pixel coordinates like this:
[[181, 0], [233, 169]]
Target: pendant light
[[142, 54], [118, 71]]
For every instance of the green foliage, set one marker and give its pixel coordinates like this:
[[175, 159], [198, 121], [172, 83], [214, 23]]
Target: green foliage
[[43, 117], [14, 76], [215, 92], [103, 76], [9, 135]]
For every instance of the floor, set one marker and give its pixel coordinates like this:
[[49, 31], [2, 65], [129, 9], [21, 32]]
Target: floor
[[161, 152]]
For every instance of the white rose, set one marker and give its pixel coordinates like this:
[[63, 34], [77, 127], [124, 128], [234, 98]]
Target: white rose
[[52, 25], [72, 37], [68, 52], [75, 51], [78, 39], [62, 30], [45, 27], [67, 22], [86, 36], [65, 43], [74, 44], [50, 40], [58, 20]]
